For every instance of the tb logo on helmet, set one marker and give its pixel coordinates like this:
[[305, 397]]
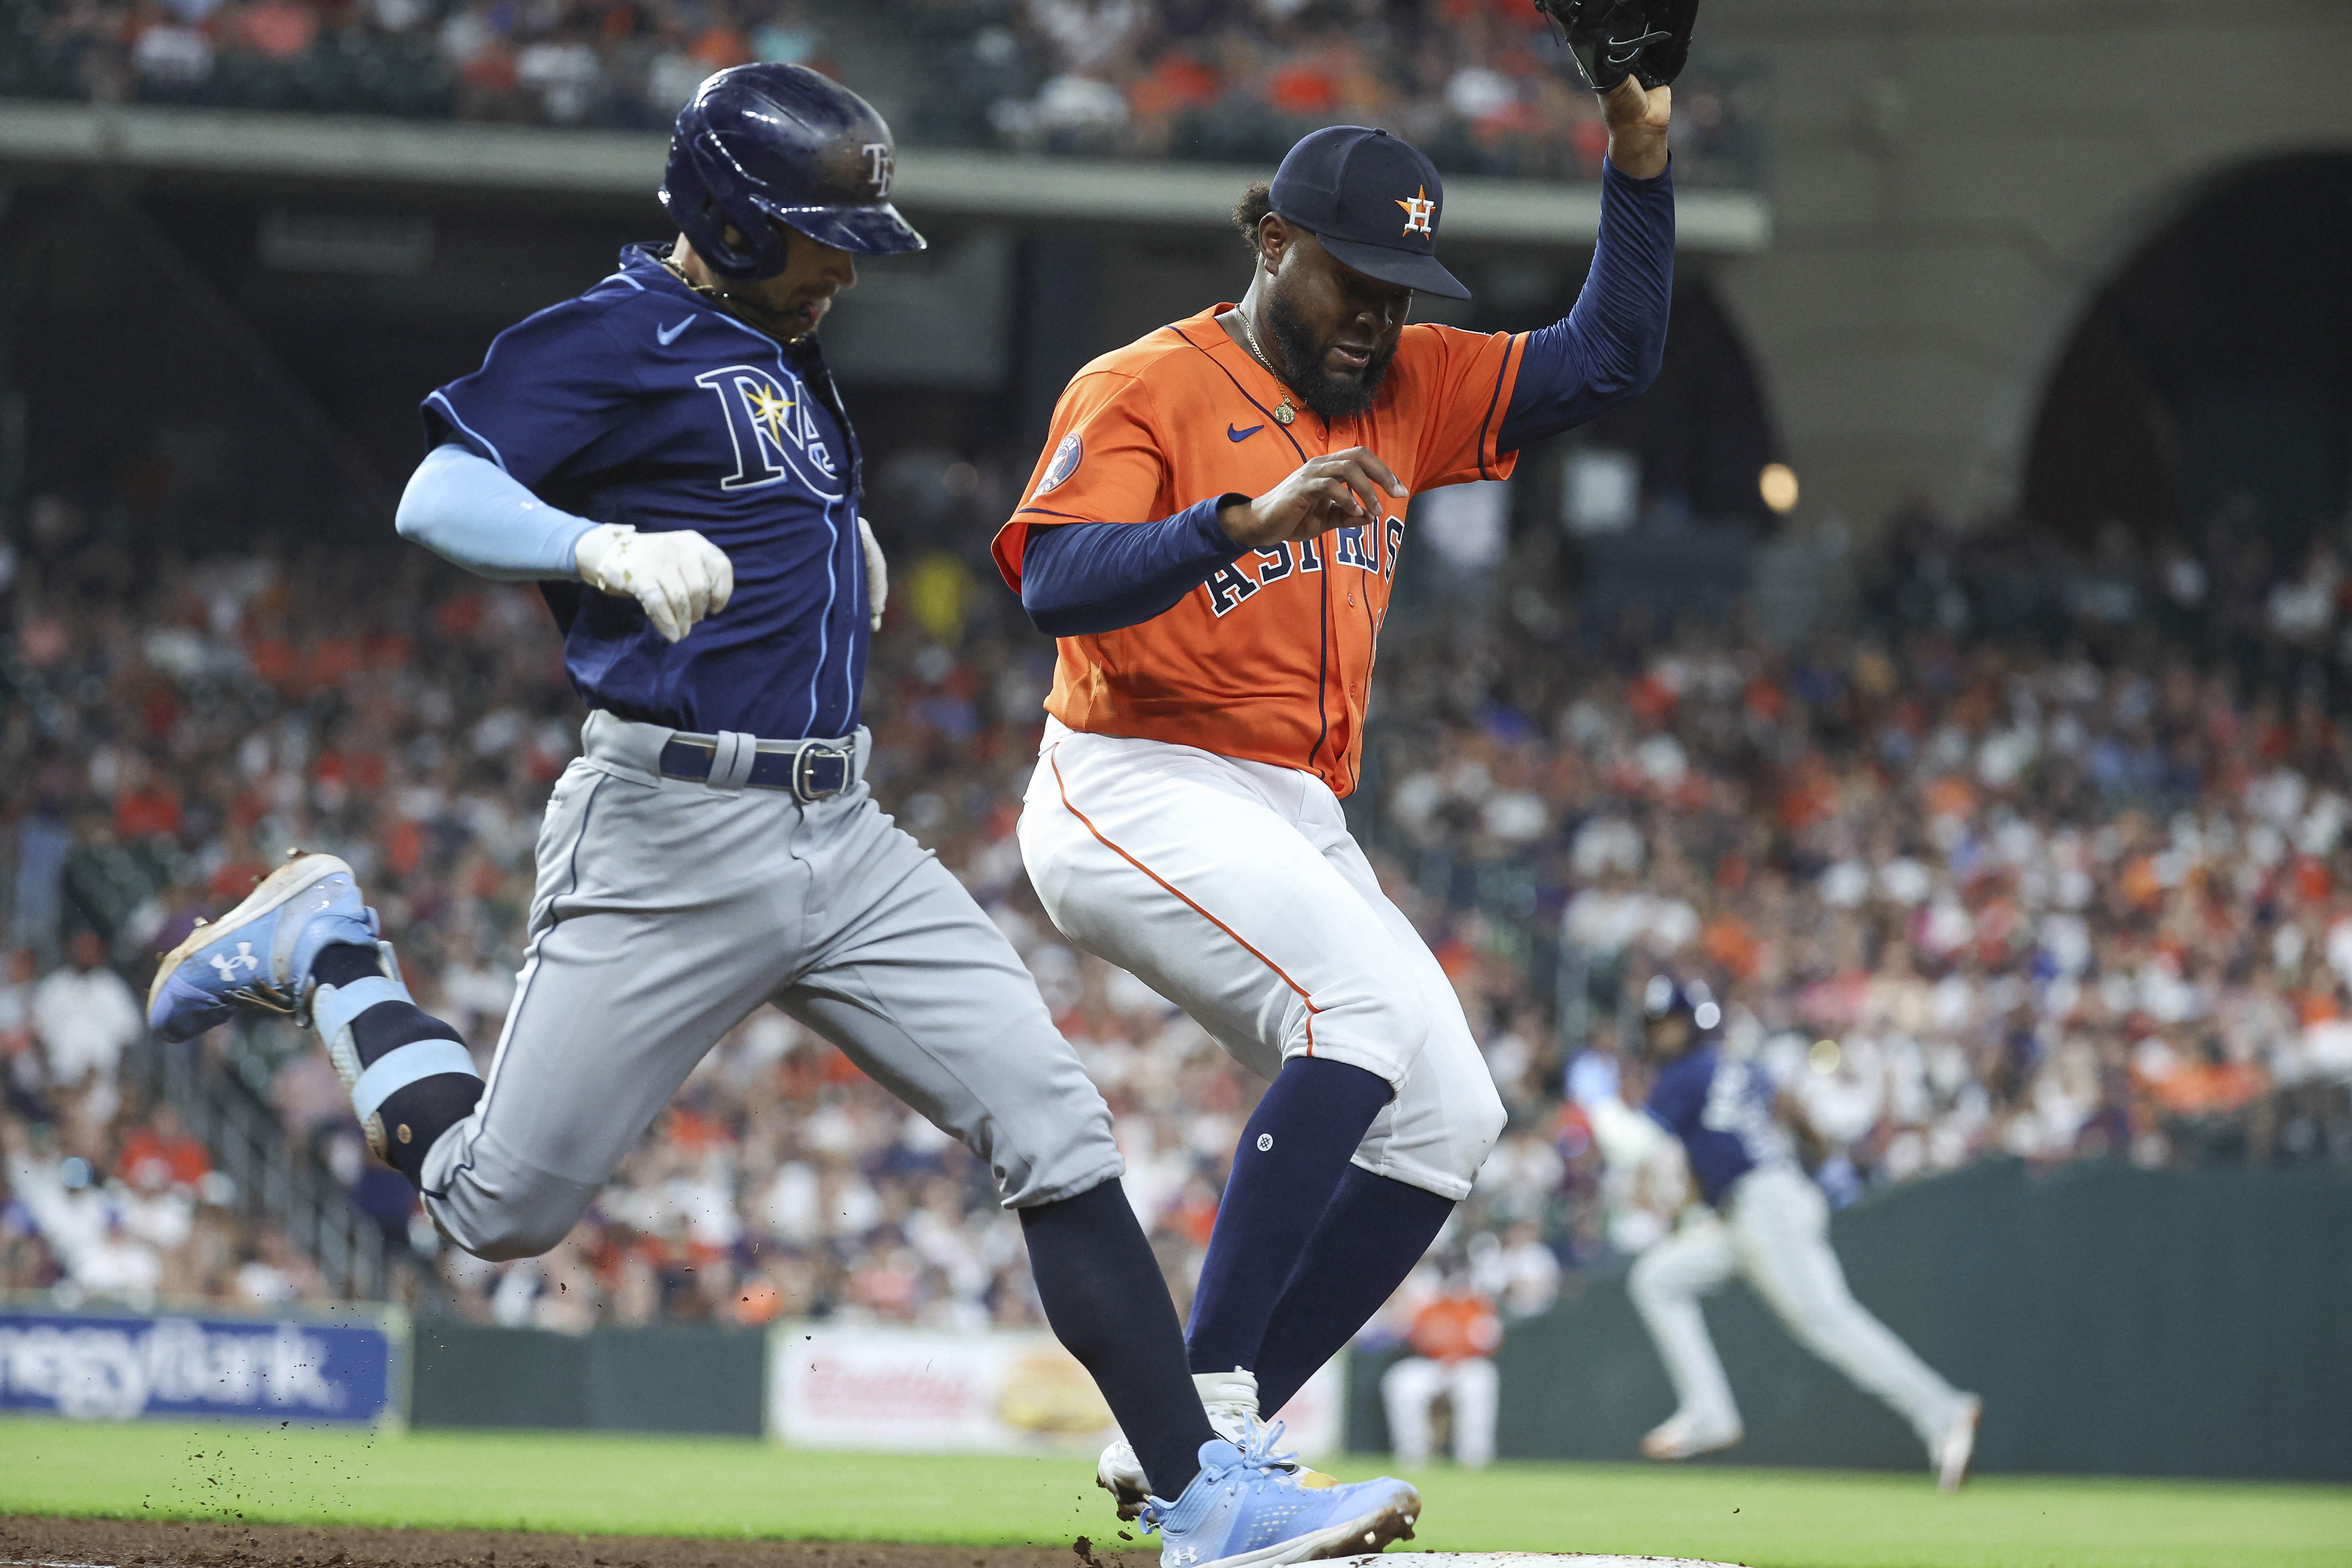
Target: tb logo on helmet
[[763, 147]]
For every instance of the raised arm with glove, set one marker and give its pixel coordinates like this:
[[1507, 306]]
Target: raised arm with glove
[[1648, 40]]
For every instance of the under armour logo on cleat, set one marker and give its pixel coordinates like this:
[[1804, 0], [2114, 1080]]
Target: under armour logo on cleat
[[226, 963]]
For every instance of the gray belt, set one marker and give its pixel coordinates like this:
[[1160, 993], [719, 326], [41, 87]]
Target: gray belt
[[807, 769]]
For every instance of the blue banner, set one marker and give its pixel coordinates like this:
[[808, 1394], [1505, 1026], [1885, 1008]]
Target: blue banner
[[114, 1367]]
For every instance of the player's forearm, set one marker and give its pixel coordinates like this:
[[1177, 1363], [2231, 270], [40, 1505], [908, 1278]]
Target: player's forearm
[[1083, 577], [1608, 349], [466, 510]]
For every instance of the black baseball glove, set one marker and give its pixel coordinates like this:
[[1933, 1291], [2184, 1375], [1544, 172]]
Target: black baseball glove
[[1612, 39]]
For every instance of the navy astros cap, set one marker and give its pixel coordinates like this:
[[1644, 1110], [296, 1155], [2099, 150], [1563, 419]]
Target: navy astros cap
[[1372, 200]]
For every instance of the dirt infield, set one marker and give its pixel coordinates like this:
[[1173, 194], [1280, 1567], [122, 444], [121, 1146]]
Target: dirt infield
[[121, 1544]]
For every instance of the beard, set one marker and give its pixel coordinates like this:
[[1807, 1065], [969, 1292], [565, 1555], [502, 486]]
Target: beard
[[1301, 353]]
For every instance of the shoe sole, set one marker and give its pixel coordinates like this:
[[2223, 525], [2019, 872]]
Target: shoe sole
[[1361, 1536], [278, 888], [1691, 1451]]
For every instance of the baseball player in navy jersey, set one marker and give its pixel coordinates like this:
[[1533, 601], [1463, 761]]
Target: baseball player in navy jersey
[[668, 457], [1767, 1223]]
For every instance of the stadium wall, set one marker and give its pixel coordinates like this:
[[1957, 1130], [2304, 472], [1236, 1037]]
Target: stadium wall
[[1954, 180], [2116, 1321], [640, 1380]]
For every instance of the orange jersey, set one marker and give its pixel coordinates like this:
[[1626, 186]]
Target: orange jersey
[[1270, 660], [1456, 1328]]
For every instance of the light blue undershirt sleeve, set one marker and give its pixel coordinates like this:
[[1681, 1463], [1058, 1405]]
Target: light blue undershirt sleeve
[[465, 509]]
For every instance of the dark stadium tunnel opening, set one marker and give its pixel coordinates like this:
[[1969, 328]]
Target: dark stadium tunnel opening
[[1680, 540], [1703, 431], [2203, 401]]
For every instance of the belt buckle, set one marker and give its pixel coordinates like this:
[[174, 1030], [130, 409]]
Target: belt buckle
[[805, 786]]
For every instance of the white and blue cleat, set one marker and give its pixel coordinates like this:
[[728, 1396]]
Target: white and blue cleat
[[260, 953], [1246, 1509], [1230, 1398]]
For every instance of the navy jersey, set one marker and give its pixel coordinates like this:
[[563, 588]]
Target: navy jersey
[[1721, 1108], [642, 402]]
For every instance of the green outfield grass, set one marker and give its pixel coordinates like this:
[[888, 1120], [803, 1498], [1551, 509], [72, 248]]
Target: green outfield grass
[[613, 1483]]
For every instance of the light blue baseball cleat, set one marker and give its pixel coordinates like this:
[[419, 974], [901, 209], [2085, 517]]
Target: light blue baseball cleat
[[1246, 1508], [260, 953]]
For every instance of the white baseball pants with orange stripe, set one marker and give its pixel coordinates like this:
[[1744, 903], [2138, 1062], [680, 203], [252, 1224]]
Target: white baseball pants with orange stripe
[[1234, 890]]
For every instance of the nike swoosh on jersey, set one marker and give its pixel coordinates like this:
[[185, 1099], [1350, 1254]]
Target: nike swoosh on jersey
[[669, 336], [1234, 434]]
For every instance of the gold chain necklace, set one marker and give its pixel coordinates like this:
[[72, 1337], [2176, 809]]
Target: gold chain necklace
[[1284, 414], [741, 310]]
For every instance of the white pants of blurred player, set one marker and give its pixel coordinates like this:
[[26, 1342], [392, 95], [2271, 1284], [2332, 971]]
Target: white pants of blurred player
[[1412, 1386], [1775, 1235], [1234, 890]]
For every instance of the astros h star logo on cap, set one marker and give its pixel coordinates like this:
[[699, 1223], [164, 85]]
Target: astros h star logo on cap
[[1419, 211]]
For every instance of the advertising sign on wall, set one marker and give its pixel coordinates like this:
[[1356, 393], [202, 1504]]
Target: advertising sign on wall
[[105, 1366], [864, 1386]]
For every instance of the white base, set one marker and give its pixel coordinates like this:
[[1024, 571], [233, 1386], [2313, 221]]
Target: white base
[[1522, 1560]]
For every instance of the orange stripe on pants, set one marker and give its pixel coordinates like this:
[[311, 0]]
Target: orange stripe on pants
[[1178, 893]]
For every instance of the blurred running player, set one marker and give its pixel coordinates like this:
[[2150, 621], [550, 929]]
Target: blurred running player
[[1769, 1224]]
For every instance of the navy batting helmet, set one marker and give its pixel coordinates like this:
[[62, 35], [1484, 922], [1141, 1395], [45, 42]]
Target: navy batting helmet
[[773, 141], [1663, 998]]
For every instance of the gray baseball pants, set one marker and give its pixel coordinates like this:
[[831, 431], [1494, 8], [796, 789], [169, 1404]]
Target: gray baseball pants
[[1775, 1235], [666, 911]]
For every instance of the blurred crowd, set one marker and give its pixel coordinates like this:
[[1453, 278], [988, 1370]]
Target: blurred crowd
[[1961, 901], [103, 1191], [1479, 84], [1964, 895], [1482, 86]]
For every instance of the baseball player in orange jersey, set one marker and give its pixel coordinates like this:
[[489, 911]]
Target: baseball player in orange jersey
[[1213, 534], [1453, 1340]]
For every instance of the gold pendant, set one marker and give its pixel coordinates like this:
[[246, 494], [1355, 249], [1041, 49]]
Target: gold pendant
[[1284, 414]]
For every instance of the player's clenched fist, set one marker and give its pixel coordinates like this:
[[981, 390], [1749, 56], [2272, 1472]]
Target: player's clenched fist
[[1336, 490], [678, 576]]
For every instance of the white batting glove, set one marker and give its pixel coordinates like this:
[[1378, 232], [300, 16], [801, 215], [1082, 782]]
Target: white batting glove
[[678, 576], [878, 572], [1628, 1138]]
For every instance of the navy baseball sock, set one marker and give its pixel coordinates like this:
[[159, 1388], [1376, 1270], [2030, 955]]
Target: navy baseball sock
[[1292, 1155], [1103, 1293], [413, 1116], [1375, 1229]]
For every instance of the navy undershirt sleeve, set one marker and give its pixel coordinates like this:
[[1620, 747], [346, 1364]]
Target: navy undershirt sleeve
[[1082, 577], [1608, 349]]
